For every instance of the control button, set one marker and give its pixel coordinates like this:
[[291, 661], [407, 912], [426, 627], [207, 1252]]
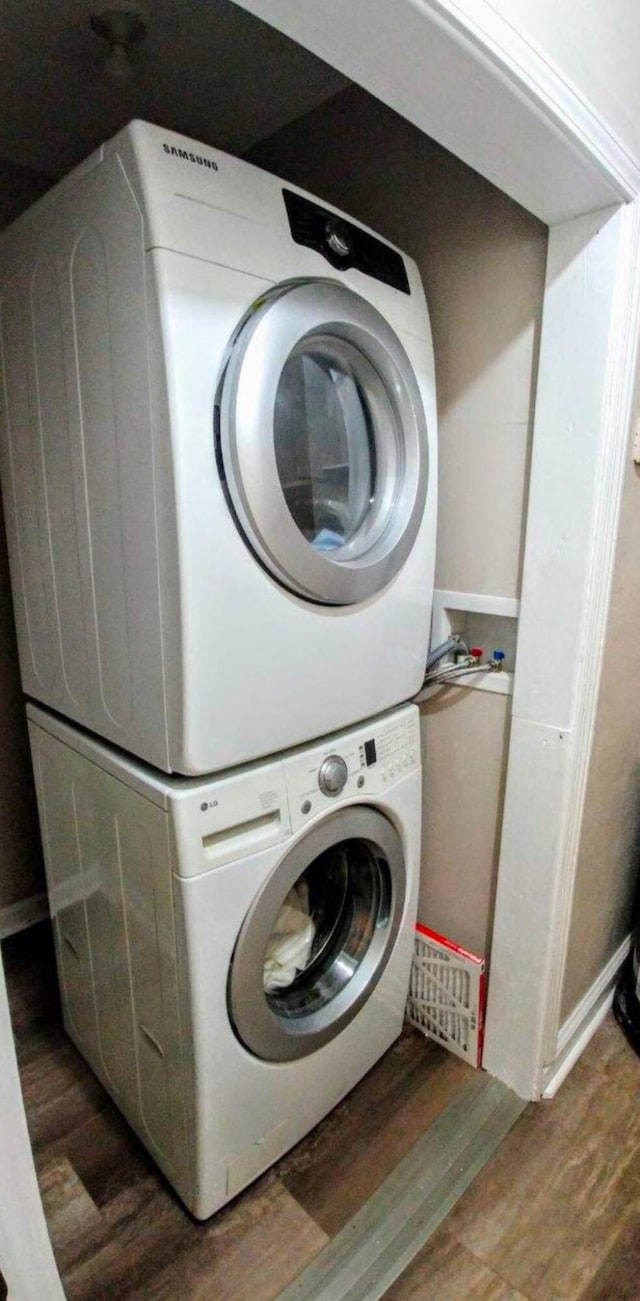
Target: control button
[[306, 807], [337, 237], [332, 777], [360, 783]]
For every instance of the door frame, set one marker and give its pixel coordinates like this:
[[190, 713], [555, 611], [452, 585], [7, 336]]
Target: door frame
[[590, 321], [526, 126], [26, 1254]]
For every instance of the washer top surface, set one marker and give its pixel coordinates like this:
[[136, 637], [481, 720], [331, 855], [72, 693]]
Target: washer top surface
[[263, 804]]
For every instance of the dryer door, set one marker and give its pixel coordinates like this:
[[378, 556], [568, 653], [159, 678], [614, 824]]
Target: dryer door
[[323, 442], [318, 936]]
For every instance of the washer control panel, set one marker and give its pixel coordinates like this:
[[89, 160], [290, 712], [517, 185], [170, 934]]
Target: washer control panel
[[360, 762]]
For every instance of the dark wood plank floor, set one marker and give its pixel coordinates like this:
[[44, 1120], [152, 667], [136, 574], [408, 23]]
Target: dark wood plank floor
[[554, 1215], [556, 1212], [118, 1230]]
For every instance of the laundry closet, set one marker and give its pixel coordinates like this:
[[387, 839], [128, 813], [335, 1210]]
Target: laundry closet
[[482, 259], [482, 262]]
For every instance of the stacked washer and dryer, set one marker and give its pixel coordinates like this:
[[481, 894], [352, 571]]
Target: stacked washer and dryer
[[218, 463]]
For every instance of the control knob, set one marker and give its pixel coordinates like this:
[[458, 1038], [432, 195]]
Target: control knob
[[332, 777], [337, 237]]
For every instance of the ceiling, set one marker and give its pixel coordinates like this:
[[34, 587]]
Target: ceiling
[[206, 68]]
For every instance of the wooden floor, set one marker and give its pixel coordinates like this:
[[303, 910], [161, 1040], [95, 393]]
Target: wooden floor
[[555, 1213], [118, 1231]]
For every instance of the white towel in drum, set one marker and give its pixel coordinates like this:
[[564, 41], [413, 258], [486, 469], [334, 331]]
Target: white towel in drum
[[291, 940]]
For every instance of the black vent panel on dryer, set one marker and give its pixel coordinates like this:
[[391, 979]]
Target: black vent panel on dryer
[[342, 243]]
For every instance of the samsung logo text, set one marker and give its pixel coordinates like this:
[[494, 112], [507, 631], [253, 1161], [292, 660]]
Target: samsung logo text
[[191, 158]]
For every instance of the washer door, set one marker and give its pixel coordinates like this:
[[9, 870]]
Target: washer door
[[323, 442], [346, 880]]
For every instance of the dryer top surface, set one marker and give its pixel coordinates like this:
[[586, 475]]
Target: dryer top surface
[[205, 203]]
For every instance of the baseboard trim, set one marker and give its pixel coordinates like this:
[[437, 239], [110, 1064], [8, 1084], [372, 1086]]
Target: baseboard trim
[[18, 916], [580, 1027]]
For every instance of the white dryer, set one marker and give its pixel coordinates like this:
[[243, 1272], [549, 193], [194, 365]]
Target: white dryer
[[169, 897], [218, 456]]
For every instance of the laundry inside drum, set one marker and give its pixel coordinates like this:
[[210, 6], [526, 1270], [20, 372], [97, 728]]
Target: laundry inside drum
[[291, 942], [324, 928]]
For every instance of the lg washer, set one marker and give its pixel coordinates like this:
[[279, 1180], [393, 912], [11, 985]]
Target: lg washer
[[234, 953]]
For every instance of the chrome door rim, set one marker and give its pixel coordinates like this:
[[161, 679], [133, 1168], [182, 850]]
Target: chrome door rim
[[274, 1038], [279, 324]]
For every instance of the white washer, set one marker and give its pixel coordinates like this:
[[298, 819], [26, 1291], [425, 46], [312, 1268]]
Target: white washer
[[165, 892], [218, 455]]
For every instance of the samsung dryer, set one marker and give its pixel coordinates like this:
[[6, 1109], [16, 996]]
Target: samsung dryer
[[233, 954], [218, 456]]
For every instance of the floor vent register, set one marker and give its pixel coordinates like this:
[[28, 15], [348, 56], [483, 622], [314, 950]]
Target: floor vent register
[[447, 994]]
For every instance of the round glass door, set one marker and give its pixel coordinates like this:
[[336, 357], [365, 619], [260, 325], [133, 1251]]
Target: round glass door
[[318, 937], [324, 442]]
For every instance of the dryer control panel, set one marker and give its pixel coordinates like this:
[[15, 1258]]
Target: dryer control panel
[[361, 762], [343, 243]]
